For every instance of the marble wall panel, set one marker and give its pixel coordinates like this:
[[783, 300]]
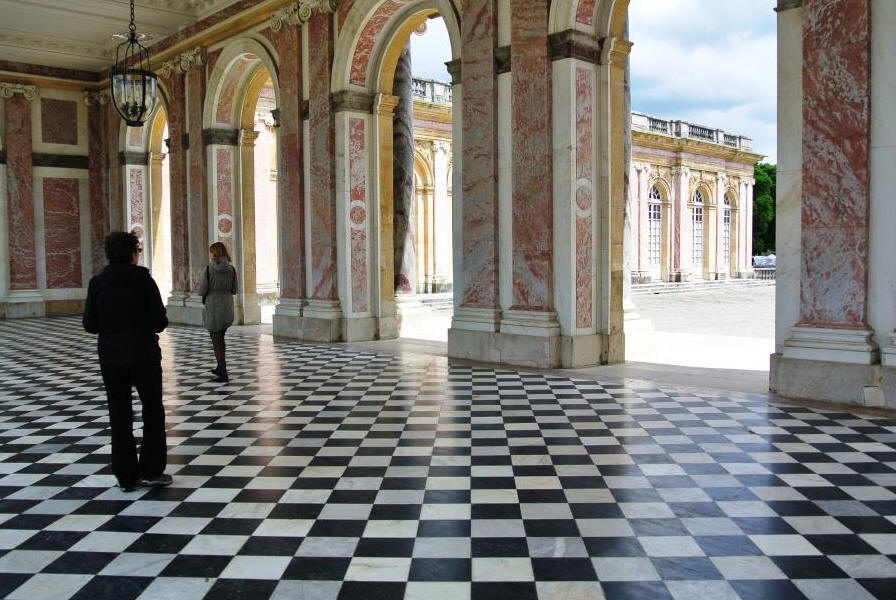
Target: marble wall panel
[[584, 197], [20, 194], [224, 196], [59, 121], [322, 160], [358, 214], [585, 12], [290, 172], [479, 212], [836, 150], [533, 245], [62, 232], [136, 205]]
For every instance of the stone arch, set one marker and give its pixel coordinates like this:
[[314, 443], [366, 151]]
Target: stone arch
[[231, 74], [370, 30], [731, 194], [708, 228], [665, 190], [373, 35], [240, 71], [601, 18]]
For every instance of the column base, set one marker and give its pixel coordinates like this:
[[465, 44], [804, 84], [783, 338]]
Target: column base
[[249, 312], [322, 321], [853, 346], [746, 273], [680, 277], [359, 329], [287, 320], [583, 350], [25, 304], [505, 348], [888, 353], [185, 309], [530, 323], [835, 382]]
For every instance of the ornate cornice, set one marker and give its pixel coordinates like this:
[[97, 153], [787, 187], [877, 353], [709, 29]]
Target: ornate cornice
[[100, 98], [49, 43], [300, 12], [8, 89], [183, 62]]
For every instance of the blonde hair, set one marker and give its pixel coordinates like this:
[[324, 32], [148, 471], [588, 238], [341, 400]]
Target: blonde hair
[[218, 250]]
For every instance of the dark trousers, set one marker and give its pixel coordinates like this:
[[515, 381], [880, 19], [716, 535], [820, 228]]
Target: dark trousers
[[220, 351], [147, 378]]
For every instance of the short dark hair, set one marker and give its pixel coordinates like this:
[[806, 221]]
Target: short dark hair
[[121, 246]]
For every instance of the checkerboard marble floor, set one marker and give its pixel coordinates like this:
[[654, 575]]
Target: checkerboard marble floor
[[324, 473]]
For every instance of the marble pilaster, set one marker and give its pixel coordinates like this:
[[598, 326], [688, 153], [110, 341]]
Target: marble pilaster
[[98, 178], [177, 166], [23, 299], [833, 323]]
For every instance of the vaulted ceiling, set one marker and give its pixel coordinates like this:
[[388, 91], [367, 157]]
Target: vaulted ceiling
[[77, 34]]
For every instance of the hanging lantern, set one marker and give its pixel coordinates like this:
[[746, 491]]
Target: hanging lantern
[[134, 87]]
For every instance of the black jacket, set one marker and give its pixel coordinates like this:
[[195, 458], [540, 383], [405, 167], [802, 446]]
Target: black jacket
[[125, 308]]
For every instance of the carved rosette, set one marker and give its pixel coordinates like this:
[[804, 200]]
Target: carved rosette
[[99, 98], [300, 12], [8, 89]]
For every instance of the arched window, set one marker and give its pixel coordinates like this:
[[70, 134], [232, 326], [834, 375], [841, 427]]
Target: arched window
[[726, 232], [655, 226], [697, 231]]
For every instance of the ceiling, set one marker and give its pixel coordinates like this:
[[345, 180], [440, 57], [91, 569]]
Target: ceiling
[[77, 34]]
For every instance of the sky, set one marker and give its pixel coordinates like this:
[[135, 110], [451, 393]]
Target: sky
[[710, 62]]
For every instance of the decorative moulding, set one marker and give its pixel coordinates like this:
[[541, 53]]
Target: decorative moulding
[[300, 12], [8, 89], [183, 62]]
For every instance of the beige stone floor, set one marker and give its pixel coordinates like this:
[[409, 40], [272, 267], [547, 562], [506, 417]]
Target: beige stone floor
[[710, 339]]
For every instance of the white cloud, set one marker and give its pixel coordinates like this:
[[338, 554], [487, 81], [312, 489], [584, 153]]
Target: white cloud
[[430, 51], [713, 62]]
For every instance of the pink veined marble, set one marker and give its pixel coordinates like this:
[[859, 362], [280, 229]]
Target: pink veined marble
[[533, 245], [135, 136], [135, 195], [224, 168], [197, 197], [233, 79], [836, 152], [584, 198], [291, 171], [479, 212], [62, 232], [369, 35], [20, 194], [59, 121], [97, 183], [358, 214], [323, 194], [585, 12], [180, 258], [212, 57], [117, 199]]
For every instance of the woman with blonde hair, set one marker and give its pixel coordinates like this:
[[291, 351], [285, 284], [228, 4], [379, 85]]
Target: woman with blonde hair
[[217, 286]]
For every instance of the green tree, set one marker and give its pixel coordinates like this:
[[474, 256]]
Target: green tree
[[764, 208]]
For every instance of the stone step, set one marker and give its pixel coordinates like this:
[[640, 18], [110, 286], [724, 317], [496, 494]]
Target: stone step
[[644, 289]]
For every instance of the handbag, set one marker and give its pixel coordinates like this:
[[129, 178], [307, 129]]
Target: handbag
[[208, 284]]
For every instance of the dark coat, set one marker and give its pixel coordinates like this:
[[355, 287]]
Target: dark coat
[[217, 286], [125, 308]]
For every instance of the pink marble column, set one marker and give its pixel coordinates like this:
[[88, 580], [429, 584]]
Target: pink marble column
[[98, 182], [20, 194], [197, 193], [358, 214], [291, 172], [116, 180], [322, 149], [584, 225], [177, 167], [532, 165], [479, 213], [836, 146]]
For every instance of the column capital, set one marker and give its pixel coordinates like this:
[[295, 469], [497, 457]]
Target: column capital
[[157, 157], [614, 51], [8, 89], [248, 136], [99, 97], [385, 104], [300, 12], [788, 5], [183, 62]]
